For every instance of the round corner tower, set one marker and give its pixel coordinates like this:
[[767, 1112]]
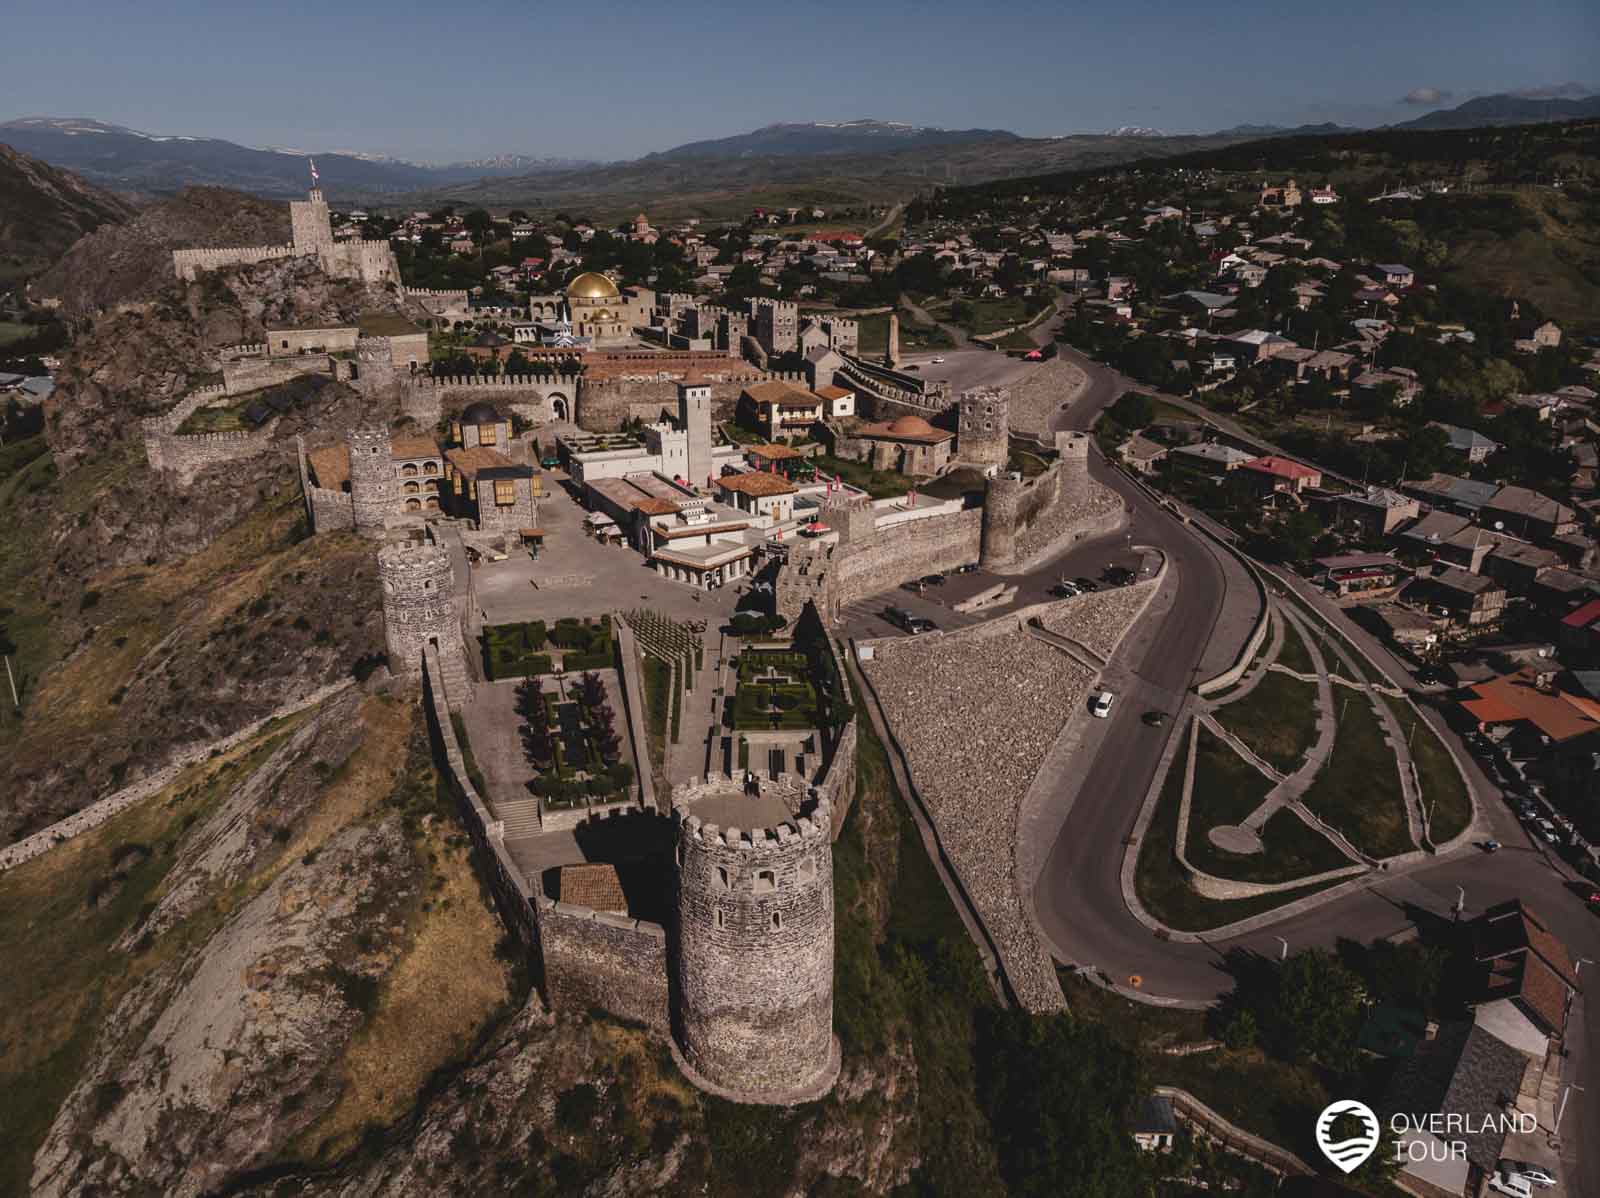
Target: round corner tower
[[983, 434], [417, 604], [1072, 449], [753, 972], [1002, 497], [371, 479]]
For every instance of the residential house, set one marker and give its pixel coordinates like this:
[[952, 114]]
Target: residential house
[[780, 409], [1210, 457], [1377, 511], [1464, 496], [485, 486], [1285, 196], [1529, 515], [1393, 274], [1450, 538], [1140, 454], [1258, 345], [1348, 574], [759, 493], [1471, 601], [1469, 443], [1516, 565], [1529, 710], [1538, 337], [1272, 474], [1155, 1127]]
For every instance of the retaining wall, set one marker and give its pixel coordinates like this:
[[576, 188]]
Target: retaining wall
[[604, 960]]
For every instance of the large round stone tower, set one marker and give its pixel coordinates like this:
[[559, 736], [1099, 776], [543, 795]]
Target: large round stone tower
[[371, 479], [1002, 497], [753, 971], [983, 434], [417, 608]]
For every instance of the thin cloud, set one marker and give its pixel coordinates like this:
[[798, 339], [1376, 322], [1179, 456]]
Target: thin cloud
[[1425, 96], [1557, 91]]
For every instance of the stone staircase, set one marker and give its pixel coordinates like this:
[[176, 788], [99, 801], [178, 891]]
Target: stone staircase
[[521, 818]]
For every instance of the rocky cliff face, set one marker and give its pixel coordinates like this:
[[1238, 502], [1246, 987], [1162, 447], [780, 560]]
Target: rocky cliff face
[[133, 261], [43, 210]]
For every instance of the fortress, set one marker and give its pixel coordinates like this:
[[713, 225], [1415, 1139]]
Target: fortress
[[738, 978], [312, 229]]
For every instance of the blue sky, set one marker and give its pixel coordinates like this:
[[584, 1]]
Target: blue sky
[[459, 80]]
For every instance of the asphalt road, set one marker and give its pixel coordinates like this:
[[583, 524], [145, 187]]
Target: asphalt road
[[1079, 895]]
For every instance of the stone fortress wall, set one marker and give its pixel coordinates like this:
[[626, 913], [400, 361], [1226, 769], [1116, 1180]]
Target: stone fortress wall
[[189, 264], [328, 510], [747, 997], [252, 373], [185, 456]]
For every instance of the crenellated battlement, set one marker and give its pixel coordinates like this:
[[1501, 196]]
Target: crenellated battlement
[[508, 381]]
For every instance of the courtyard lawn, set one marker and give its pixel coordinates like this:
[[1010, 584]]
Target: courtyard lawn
[[1293, 654], [880, 484], [1277, 719], [229, 419], [657, 682], [1444, 793], [1358, 790], [1226, 790], [1163, 890]]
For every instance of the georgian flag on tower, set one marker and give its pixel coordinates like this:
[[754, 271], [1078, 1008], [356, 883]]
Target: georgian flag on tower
[[314, 175]]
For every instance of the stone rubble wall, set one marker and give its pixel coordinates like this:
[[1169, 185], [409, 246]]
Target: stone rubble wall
[[604, 960], [97, 813], [255, 373], [902, 553], [188, 264], [1042, 392]]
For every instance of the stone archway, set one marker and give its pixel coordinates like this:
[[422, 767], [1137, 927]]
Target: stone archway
[[560, 407]]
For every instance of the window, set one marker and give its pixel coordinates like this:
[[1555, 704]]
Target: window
[[719, 919], [458, 484], [777, 921], [505, 492], [808, 869], [722, 877], [409, 470], [486, 434], [766, 881]]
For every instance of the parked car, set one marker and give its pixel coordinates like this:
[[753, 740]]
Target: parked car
[[1513, 1184], [1119, 576], [1100, 705], [1064, 590], [1490, 846], [935, 580], [1155, 718], [921, 624], [938, 361], [969, 568], [1537, 1174], [898, 617], [1086, 584], [914, 586]]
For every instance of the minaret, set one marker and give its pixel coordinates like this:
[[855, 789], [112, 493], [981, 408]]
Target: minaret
[[694, 415]]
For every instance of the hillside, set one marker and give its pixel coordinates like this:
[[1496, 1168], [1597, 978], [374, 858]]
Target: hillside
[[1488, 111], [145, 163], [843, 137], [43, 210], [133, 261]]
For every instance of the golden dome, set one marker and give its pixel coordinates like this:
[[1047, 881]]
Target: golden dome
[[592, 286]]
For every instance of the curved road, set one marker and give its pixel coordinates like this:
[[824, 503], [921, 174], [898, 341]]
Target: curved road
[[1078, 896]]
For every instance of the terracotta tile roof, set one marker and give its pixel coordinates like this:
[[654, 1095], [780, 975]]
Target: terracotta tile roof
[[774, 453], [478, 458], [403, 448], [652, 506], [1543, 992], [595, 886], [331, 466], [832, 392], [1557, 714], [756, 483], [776, 391], [1282, 467]]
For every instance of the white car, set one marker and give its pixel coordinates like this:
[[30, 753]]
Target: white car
[[1514, 1184], [1536, 1174], [938, 361], [1100, 707]]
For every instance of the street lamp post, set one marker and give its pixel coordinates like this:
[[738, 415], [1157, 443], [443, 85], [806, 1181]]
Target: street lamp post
[[1283, 951]]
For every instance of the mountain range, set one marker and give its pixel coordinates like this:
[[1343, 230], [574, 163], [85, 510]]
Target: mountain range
[[836, 163], [133, 161]]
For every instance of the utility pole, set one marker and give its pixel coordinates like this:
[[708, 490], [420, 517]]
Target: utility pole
[[12, 679]]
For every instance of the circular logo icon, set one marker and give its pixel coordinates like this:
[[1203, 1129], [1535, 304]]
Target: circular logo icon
[[1347, 1133]]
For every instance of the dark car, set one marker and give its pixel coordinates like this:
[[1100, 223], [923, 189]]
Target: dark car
[[1086, 584], [897, 616], [915, 586], [550, 463], [1155, 718], [969, 568], [921, 624], [1119, 576], [935, 580]]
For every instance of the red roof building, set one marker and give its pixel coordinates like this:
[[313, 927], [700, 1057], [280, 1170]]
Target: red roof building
[[1283, 474]]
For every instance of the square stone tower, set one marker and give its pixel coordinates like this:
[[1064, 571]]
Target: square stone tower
[[983, 436], [311, 224], [694, 416]]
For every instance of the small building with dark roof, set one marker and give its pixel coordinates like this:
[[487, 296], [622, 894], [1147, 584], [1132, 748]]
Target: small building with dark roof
[[1155, 1127], [481, 424], [485, 486]]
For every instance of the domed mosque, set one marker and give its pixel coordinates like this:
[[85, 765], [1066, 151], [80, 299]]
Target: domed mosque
[[595, 306]]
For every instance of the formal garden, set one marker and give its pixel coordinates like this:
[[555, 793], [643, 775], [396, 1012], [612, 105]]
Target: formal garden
[[569, 736], [775, 691], [532, 649], [1302, 770]]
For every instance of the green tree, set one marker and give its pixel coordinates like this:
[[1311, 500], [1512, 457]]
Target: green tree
[[1315, 1009], [1059, 1095]]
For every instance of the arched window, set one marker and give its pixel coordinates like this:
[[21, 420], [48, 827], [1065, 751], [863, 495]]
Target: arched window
[[409, 470], [411, 488], [766, 881]]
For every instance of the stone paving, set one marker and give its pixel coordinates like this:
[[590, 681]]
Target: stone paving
[[1040, 394], [1098, 620], [976, 712]]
